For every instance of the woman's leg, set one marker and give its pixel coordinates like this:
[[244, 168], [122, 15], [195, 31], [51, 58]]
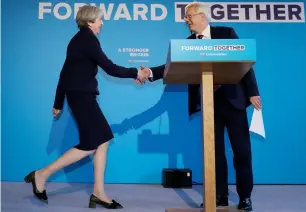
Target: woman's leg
[[99, 169], [71, 156]]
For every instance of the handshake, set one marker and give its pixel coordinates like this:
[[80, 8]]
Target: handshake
[[143, 75]]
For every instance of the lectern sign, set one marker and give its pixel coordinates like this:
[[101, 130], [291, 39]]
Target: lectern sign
[[229, 59], [212, 50]]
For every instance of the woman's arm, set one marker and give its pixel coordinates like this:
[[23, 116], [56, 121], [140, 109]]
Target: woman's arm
[[60, 95], [93, 49]]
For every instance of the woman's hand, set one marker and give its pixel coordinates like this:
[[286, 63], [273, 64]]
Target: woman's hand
[[55, 112]]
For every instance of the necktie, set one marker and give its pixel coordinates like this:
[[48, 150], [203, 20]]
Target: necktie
[[200, 36]]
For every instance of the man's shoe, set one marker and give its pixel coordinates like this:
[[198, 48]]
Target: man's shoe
[[220, 201], [245, 204]]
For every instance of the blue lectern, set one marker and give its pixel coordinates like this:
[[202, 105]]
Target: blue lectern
[[208, 62]]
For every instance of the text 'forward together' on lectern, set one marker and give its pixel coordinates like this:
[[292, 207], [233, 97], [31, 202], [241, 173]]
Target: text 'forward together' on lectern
[[208, 62]]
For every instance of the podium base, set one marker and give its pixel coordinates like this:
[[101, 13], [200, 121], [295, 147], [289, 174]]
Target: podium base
[[228, 209]]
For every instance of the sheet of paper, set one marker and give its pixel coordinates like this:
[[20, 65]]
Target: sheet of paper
[[257, 123]]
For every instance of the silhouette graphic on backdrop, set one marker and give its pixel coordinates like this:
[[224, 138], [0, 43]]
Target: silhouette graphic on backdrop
[[183, 138]]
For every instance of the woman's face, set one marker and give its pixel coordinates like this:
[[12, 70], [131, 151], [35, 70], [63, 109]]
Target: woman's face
[[96, 26]]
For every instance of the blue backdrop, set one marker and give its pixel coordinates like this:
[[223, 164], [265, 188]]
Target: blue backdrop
[[151, 125]]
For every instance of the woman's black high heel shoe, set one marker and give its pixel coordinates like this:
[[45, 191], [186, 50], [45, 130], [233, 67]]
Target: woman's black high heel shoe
[[93, 201], [30, 178]]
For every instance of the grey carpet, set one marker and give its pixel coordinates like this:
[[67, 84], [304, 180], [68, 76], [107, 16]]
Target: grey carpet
[[74, 198]]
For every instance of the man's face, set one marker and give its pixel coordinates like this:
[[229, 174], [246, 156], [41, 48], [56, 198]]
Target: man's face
[[196, 21]]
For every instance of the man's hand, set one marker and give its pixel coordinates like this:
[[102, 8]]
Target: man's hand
[[143, 75], [256, 102], [56, 112]]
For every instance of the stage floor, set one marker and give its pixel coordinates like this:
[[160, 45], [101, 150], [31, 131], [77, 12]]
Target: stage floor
[[141, 198]]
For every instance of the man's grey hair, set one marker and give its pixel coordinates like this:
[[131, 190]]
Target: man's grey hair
[[202, 8], [87, 14]]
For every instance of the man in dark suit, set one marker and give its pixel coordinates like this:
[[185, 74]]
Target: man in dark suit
[[230, 103]]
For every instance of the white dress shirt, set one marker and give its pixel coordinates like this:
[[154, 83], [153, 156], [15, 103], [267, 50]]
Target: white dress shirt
[[205, 33]]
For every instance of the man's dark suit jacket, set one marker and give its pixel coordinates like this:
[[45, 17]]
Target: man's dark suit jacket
[[83, 56], [237, 94]]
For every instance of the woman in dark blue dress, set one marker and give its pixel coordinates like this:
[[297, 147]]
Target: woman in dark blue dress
[[78, 84]]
